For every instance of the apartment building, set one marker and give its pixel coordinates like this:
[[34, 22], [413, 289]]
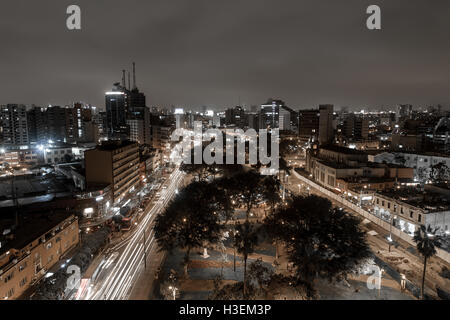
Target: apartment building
[[18, 156], [13, 124], [115, 163], [161, 137], [34, 248], [58, 153]]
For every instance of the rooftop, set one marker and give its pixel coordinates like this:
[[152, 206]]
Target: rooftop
[[114, 144], [343, 150], [374, 165], [32, 227], [427, 200]]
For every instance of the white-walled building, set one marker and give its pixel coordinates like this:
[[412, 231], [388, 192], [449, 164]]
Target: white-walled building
[[419, 162], [409, 208]]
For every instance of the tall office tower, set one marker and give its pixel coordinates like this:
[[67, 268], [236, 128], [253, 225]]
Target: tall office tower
[[117, 112], [404, 111], [356, 128], [269, 114], [136, 100], [13, 122], [362, 129], [235, 116], [216, 120], [36, 125], [253, 120], [161, 136], [179, 118], [55, 123], [308, 125], [140, 129], [284, 119], [100, 123], [326, 131], [138, 115], [190, 120], [79, 127]]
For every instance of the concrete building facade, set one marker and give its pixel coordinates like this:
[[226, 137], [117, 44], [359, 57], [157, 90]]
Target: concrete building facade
[[115, 163]]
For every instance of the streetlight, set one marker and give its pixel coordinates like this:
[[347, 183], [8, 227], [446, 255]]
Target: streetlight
[[379, 288], [145, 250], [403, 282], [389, 239], [174, 291]]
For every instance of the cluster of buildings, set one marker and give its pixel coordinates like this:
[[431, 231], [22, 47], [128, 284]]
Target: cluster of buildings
[[63, 165], [394, 164], [28, 253]]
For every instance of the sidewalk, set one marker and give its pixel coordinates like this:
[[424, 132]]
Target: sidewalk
[[408, 261], [143, 289]]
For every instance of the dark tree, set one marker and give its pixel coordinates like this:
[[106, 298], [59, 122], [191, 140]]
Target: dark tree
[[249, 190], [440, 173], [422, 175], [261, 275], [191, 220], [320, 240], [230, 292], [245, 240], [200, 171], [259, 279], [426, 241], [229, 196], [271, 192]]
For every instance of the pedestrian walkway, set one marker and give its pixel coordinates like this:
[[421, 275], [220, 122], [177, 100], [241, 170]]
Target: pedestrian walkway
[[143, 289]]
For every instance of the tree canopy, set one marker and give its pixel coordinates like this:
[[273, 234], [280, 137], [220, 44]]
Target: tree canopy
[[191, 219], [321, 240]]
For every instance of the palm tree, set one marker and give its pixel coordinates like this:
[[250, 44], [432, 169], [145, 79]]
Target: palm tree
[[426, 241], [245, 240]]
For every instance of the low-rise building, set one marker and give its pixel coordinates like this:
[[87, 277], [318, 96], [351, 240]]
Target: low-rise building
[[422, 163], [58, 154], [19, 155], [408, 208], [335, 167], [32, 249]]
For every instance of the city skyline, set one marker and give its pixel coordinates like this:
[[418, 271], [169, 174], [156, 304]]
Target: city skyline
[[207, 152], [219, 54]]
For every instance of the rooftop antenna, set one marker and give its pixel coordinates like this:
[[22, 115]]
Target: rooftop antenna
[[134, 76], [129, 81], [123, 79]]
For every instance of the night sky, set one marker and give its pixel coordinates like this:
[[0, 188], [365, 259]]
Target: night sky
[[194, 53]]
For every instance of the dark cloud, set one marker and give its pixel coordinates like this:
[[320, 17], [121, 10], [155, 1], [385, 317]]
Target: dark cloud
[[211, 52]]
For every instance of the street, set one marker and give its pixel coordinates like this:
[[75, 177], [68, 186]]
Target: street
[[121, 264], [401, 256]]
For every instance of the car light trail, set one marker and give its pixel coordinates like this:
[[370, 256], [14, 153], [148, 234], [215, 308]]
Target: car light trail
[[130, 253]]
